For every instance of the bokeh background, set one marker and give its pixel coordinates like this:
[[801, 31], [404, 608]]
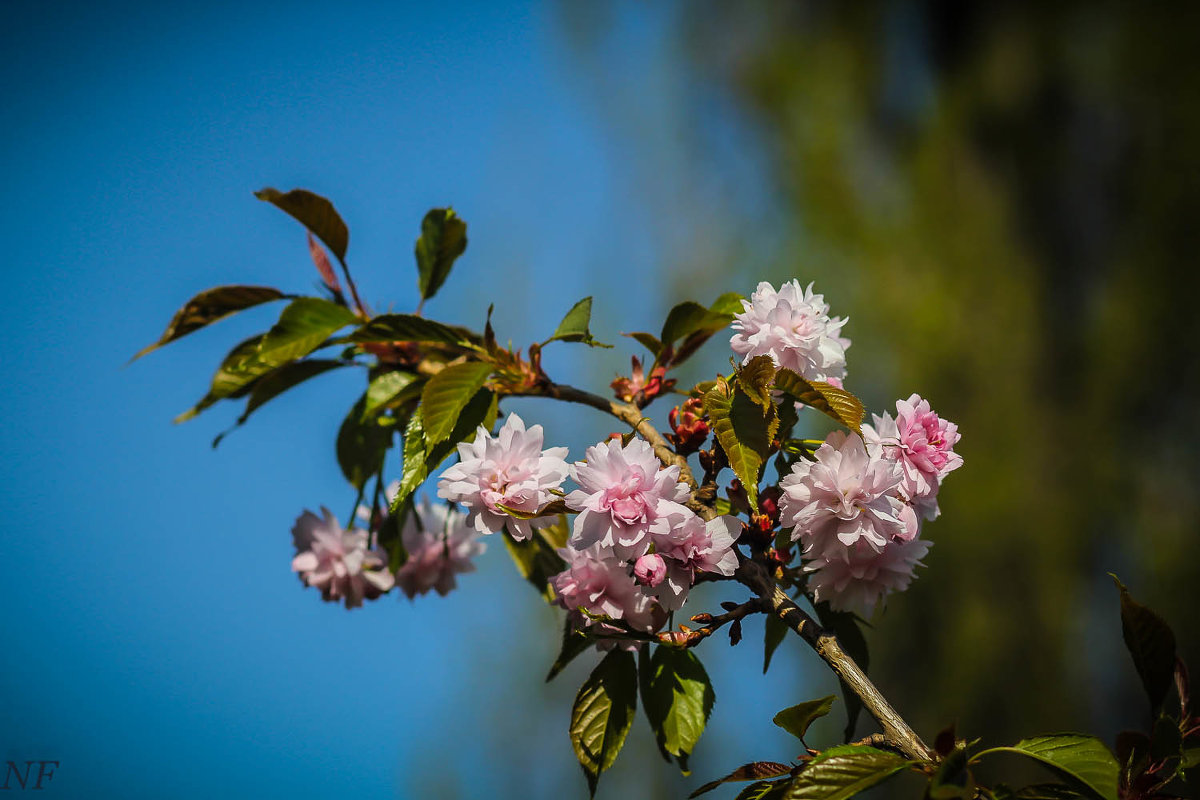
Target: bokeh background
[[1004, 199]]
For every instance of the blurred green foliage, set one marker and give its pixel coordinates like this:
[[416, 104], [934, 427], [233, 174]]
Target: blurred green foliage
[[1005, 200]]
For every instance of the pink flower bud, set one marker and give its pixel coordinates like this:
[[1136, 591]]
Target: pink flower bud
[[650, 570]]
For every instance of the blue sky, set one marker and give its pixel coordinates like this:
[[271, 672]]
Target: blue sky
[[155, 642]]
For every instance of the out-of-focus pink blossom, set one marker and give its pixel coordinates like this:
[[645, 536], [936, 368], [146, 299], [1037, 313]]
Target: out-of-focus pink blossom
[[921, 442], [844, 498], [509, 470], [794, 328], [339, 563], [650, 570], [622, 492], [602, 586], [864, 577], [440, 544], [691, 545]]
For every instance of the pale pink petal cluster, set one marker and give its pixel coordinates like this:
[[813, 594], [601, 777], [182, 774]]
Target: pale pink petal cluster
[[440, 544], [623, 491], [690, 545], [341, 563], [862, 579], [510, 470], [794, 328], [602, 585], [922, 443]]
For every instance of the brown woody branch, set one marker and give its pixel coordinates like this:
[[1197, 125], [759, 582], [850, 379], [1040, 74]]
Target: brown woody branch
[[689, 637]]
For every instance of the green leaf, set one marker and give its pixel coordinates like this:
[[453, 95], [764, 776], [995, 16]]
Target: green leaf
[[796, 719], [754, 771], [743, 431], [278, 381], [536, 561], [447, 393], [842, 772], [837, 403], [231, 378], [406, 328], [776, 631], [574, 642], [574, 326], [729, 304], [756, 380], [313, 212], [603, 713], [688, 318], [208, 307], [678, 699], [1050, 791], [648, 341], [443, 239], [303, 326], [384, 388], [1151, 642], [1080, 758], [361, 445], [844, 626]]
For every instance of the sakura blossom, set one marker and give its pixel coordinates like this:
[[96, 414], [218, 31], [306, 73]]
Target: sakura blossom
[[440, 544], [863, 577], [601, 585], [842, 499], [510, 470], [342, 564], [623, 491], [794, 328], [691, 545], [922, 444], [650, 570]]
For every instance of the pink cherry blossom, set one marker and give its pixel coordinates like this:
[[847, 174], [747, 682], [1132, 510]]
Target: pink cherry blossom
[[794, 328], [440, 544], [602, 586], [650, 570], [864, 577], [922, 444], [623, 491], [509, 470], [691, 545], [844, 498], [339, 563]]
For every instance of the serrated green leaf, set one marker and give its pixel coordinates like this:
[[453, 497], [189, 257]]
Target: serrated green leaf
[[842, 772], [574, 642], [773, 636], [443, 239], [756, 379], [754, 771], [278, 381], [1151, 643], [837, 403], [445, 395], [208, 307], [406, 328], [384, 388], [303, 326], [743, 432], [796, 719], [603, 713], [413, 471], [1083, 759], [688, 318], [313, 212], [678, 699], [361, 445], [729, 304], [575, 326], [231, 379], [844, 626]]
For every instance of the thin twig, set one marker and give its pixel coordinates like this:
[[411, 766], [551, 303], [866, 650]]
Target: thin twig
[[688, 637]]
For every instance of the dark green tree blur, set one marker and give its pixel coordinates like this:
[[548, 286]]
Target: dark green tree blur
[[1005, 200]]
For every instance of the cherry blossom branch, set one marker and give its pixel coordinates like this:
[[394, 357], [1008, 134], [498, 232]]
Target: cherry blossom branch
[[755, 576], [687, 637]]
